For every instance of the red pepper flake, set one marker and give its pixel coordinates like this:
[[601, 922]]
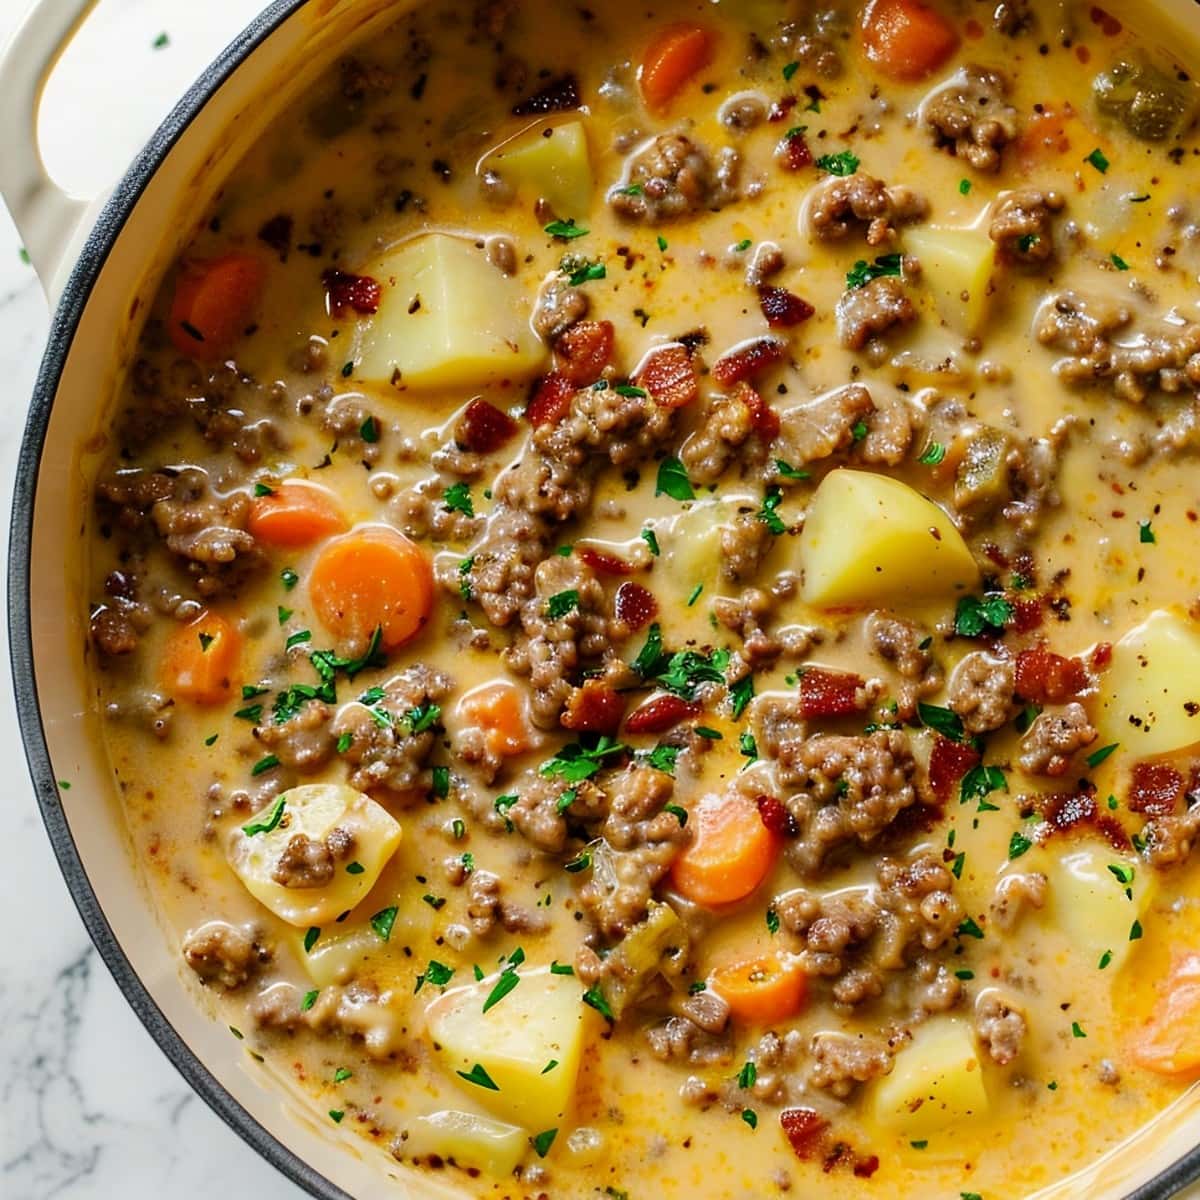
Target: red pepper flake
[[1155, 789], [635, 606], [594, 708], [775, 817], [763, 417], [606, 564], [343, 291], [669, 376], [660, 713], [584, 350], [793, 152], [948, 763], [1048, 678], [748, 359], [782, 308], [483, 428], [551, 400], [829, 693], [804, 1129]]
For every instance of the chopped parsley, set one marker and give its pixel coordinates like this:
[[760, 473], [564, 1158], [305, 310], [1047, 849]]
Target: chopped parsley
[[342, 1074], [743, 246], [864, 272], [562, 603], [789, 70], [383, 921], [298, 638], [289, 578], [769, 514], [206, 640], [787, 471], [1135, 931], [594, 998], [310, 938], [1077, 1030], [550, 1066], [678, 812], [740, 695], [507, 981], [557, 968], [1122, 872], [576, 761], [437, 903], [345, 741], [479, 1077], [1105, 959], [464, 577], [355, 868], [263, 765], [632, 391], [932, 455], [457, 498], [310, 998], [969, 928], [750, 1117], [440, 783], [974, 615], [1118, 262], [662, 758], [1098, 160], [964, 187], [1098, 756], [981, 781], [673, 480], [747, 1076], [544, 1140], [941, 720], [651, 539], [261, 489], [580, 862], [772, 921], [583, 271], [565, 230], [1145, 535], [1018, 844], [437, 974], [747, 746], [422, 718], [843, 164], [369, 431]]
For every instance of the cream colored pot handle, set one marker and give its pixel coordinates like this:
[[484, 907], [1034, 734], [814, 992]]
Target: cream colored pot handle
[[47, 217]]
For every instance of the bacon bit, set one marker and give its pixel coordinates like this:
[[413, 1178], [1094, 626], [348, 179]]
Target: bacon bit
[[551, 400], [1109, 25], [1101, 656], [995, 554], [782, 308], [780, 109], [763, 417], [911, 821], [559, 95], [584, 350], [1065, 812], [343, 291], [660, 713], [864, 1168], [775, 817], [829, 693], [635, 606], [793, 152], [804, 1128], [1047, 678], [606, 564], [1027, 614], [948, 763], [483, 428], [748, 359], [973, 29], [669, 376], [594, 708], [1155, 789]]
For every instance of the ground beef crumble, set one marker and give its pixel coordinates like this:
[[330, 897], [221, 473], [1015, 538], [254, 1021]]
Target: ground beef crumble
[[971, 117]]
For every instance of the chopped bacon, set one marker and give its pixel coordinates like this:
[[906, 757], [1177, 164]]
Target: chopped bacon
[[635, 606], [780, 109], [864, 1168], [775, 817], [606, 564], [669, 376], [1065, 812], [793, 151], [343, 291], [558, 95], [804, 1129], [1101, 655], [1047, 678], [782, 308], [1027, 614], [748, 359], [829, 693], [763, 417], [1155, 789], [594, 708], [948, 763], [483, 427], [551, 400], [660, 713], [584, 350]]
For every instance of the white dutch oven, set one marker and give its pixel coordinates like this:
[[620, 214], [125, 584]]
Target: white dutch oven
[[101, 261]]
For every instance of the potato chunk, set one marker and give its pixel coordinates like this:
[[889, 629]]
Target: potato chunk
[[331, 816], [542, 1020], [468, 1140], [935, 1084], [447, 319], [956, 267], [554, 168], [869, 539], [337, 955], [1150, 697]]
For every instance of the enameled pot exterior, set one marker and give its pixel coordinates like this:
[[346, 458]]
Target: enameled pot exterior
[[118, 262]]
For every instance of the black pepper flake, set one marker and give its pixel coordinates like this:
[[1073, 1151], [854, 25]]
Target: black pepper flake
[[559, 95]]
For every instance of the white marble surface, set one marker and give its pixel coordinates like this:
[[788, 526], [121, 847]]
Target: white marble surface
[[89, 1106]]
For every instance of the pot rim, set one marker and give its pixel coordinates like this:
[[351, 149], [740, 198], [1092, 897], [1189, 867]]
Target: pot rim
[[64, 325]]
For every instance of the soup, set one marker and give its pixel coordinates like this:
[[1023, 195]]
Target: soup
[[644, 597]]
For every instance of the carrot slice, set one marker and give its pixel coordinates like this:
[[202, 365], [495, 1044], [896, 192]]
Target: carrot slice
[[1170, 1043], [761, 990], [730, 852], [497, 709], [214, 302], [372, 578], [201, 658], [678, 53], [296, 513], [907, 39]]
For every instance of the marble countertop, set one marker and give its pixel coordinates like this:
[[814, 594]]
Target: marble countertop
[[89, 1106]]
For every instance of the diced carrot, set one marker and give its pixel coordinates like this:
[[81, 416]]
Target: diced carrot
[[372, 578], [761, 990], [1170, 1043], [214, 302], [675, 56], [200, 659], [1046, 136], [295, 513], [730, 853], [497, 709], [907, 39]]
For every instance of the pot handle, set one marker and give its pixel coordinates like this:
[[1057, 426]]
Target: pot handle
[[47, 216]]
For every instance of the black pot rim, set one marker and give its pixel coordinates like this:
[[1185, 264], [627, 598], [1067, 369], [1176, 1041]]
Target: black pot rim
[[67, 316]]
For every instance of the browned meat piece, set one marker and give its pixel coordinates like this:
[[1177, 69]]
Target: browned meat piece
[[981, 691], [225, 954], [1015, 895], [749, 615], [780, 731], [821, 428], [422, 512], [773, 1057], [359, 1011], [707, 1010], [304, 741], [1032, 475], [812, 43], [724, 428], [393, 753], [1022, 225], [637, 796], [918, 896], [971, 117], [891, 429], [133, 493], [499, 570], [1053, 738], [618, 894], [113, 632], [1169, 839], [544, 487], [906, 647], [865, 313], [1166, 358], [304, 863], [1013, 16], [844, 203], [672, 177], [536, 814], [486, 907], [745, 542], [743, 111], [935, 989], [679, 1040], [831, 926], [558, 308], [999, 1025], [606, 424], [841, 1061]]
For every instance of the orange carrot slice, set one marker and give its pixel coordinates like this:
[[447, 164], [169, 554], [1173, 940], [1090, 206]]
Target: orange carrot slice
[[294, 514], [907, 39], [200, 659], [761, 990], [214, 302], [497, 709], [678, 53], [730, 853], [1170, 1043]]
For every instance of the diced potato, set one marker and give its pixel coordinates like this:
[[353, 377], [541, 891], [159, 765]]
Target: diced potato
[[315, 810], [936, 1082], [692, 546], [1150, 695], [468, 1140], [1088, 902], [338, 953], [869, 539], [956, 266], [555, 168], [656, 946], [540, 1021], [447, 319]]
